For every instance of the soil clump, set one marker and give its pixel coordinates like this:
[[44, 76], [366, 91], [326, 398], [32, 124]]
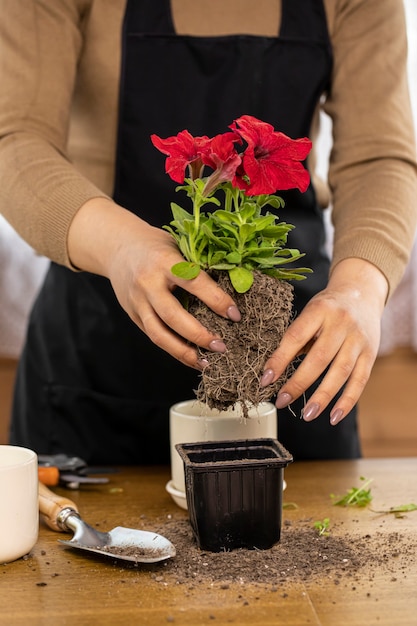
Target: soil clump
[[233, 377]]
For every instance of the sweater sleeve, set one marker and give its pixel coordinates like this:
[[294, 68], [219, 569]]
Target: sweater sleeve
[[40, 190], [372, 170]]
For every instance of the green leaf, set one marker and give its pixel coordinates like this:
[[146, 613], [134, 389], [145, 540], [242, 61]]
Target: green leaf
[[273, 261], [403, 508], [265, 261], [323, 527], [179, 214], [189, 227], [234, 257], [226, 216], [275, 201], [247, 212], [241, 279], [217, 257], [183, 244], [290, 252], [186, 270], [223, 243], [282, 274], [246, 231], [236, 238], [278, 231], [356, 496], [225, 228], [398, 511], [264, 222], [260, 251], [222, 266]]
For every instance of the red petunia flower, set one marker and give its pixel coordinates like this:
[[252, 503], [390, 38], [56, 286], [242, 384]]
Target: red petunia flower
[[183, 151], [248, 164], [220, 154], [272, 160]]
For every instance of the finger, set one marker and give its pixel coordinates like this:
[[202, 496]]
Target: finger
[[339, 372], [300, 334], [173, 329], [349, 372], [306, 335], [312, 367], [306, 349], [352, 392], [164, 337], [173, 314], [208, 291]]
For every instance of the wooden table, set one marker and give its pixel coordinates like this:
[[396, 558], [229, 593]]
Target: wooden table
[[55, 585]]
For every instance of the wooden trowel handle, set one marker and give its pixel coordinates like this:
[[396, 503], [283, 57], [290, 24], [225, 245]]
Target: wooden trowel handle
[[50, 506]]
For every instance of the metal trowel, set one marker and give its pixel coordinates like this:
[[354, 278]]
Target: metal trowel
[[128, 544]]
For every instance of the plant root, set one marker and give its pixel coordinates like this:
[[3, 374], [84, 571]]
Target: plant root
[[234, 377]]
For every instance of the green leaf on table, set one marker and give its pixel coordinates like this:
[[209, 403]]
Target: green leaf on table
[[398, 511], [323, 526], [356, 496]]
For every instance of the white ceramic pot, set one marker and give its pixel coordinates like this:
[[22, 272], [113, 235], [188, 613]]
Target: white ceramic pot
[[19, 511], [191, 421]]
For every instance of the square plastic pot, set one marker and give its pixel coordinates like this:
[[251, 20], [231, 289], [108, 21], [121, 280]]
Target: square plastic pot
[[234, 492]]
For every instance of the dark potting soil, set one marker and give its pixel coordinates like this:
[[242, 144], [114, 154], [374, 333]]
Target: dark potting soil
[[349, 559], [301, 555]]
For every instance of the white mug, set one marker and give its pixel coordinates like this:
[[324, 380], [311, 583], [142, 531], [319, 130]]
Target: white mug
[[192, 421], [19, 511]]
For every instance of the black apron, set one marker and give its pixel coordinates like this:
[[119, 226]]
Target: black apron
[[90, 383]]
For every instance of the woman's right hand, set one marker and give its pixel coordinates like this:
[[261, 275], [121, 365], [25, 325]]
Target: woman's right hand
[[137, 258]]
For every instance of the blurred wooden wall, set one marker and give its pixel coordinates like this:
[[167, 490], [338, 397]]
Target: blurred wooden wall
[[388, 408], [7, 375]]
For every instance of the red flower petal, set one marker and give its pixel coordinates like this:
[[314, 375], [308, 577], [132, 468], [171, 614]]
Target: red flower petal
[[183, 150], [271, 161], [221, 155]]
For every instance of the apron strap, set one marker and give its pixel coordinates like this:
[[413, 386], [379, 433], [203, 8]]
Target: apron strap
[[300, 19], [154, 16]]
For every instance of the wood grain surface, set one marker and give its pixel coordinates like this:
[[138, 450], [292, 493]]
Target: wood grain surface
[[55, 585]]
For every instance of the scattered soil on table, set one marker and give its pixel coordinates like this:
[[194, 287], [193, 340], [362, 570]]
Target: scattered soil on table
[[349, 559], [301, 555], [233, 376]]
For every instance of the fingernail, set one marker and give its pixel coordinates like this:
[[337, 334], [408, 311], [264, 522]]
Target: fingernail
[[310, 411], [283, 400], [217, 345], [233, 313], [336, 416], [267, 378], [202, 363]]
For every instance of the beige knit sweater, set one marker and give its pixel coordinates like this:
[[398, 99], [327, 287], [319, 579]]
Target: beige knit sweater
[[59, 75]]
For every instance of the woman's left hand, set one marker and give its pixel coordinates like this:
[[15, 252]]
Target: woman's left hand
[[339, 329]]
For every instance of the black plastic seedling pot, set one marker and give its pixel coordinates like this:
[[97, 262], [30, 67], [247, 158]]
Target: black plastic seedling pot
[[234, 492]]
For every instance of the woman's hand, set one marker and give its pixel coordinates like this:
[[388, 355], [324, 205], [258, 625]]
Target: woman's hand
[[339, 329], [137, 258]]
